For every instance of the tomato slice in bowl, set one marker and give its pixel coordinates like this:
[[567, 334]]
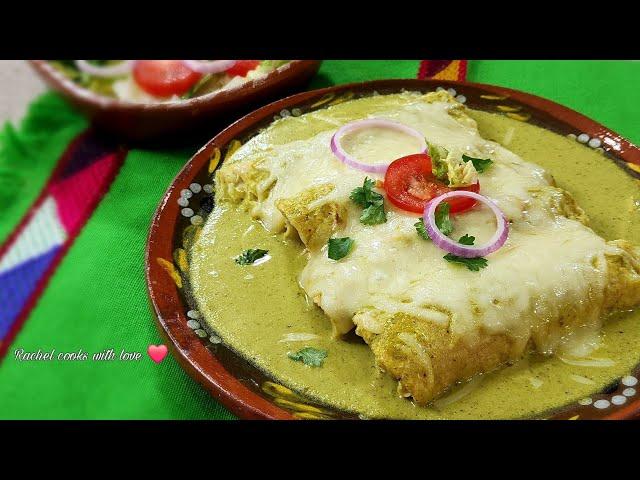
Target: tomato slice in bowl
[[242, 67], [163, 78], [410, 185]]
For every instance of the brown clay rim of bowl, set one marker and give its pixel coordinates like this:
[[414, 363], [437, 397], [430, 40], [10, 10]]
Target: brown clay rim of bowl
[[85, 96], [166, 301]]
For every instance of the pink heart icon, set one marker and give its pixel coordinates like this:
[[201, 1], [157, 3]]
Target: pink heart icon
[[157, 352]]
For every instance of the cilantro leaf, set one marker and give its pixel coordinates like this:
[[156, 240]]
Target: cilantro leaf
[[443, 222], [480, 164], [421, 229], [309, 356], [249, 256], [371, 201], [365, 195], [339, 247], [473, 264], [467, 239], [373, 215]]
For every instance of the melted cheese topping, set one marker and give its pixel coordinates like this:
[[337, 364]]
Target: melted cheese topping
[[549, 264], [375, 146]]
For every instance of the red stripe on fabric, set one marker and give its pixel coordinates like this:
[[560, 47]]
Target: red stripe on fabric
[[462, 72], [436, 66], [422, 69], [120, 156], [58, 169], [429, 68], [75, 195]]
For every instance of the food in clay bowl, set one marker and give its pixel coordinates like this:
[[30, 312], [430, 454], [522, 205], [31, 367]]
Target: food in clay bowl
[[406, 249], [149, 100]]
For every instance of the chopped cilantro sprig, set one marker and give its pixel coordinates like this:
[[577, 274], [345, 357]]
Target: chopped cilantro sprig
[[422, 230], [248, 257], [467, 239], [372, 202], [473, 264], [480, 164], [310, 356], [339, 247]]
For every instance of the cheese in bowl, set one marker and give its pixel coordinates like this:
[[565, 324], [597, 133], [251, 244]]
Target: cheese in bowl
[[385, 257]]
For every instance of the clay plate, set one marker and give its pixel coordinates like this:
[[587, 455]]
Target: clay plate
[[140, 121], [240, 387]]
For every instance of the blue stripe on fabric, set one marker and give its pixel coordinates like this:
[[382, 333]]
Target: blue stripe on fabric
[[17, 285]]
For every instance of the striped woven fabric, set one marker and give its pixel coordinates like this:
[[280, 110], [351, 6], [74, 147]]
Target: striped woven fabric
[[443, 69], [31, 253]]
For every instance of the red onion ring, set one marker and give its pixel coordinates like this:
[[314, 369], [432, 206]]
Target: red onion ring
[[450, 245], [209, 66], [116, 70], [344, 157]]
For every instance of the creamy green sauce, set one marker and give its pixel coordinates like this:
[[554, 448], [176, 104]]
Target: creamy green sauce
[[252, 308]]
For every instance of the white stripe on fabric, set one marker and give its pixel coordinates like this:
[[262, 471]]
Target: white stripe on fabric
[[43, 232]]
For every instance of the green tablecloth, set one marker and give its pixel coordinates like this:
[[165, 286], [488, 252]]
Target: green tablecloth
[[97, 297]]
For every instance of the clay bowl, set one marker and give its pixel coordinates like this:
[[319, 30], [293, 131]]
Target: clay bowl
[[139, 121], [238, 385]]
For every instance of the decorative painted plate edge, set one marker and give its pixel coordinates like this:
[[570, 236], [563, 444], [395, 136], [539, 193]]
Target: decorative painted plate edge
[[188, 200]]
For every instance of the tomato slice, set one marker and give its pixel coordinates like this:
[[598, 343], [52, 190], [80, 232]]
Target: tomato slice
[[163, 78], [242, 67], [410, 184]]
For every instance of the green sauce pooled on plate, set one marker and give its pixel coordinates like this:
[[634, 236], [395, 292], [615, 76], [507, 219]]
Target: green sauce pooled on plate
[[261, 312]]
